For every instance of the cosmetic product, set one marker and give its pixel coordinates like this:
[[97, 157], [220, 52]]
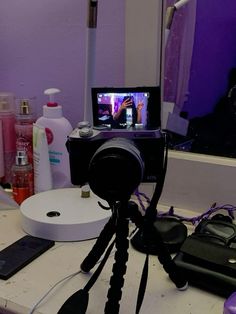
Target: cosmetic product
[[7, 117], [42, 169], [24, 128], [57, 129], [22, 178]]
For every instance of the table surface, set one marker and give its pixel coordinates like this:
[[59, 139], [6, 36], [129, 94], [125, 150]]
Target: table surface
[[23, 290]]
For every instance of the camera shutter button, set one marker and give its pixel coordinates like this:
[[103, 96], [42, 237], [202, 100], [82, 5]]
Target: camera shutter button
[[85, 132]]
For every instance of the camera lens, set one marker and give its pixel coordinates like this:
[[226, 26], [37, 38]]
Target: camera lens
[[116, 169]]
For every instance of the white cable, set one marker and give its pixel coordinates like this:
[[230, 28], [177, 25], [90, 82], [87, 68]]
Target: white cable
[[60, 281], [71, 276], [133, 233], [53, 287]]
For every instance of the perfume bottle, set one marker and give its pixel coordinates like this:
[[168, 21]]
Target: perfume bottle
[[24, 128], [8, 136], [22, 178]]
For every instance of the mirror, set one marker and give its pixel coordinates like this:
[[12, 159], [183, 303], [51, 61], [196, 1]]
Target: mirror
[[200, 70]]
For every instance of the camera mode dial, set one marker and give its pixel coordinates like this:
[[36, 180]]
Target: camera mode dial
[[85, 129]]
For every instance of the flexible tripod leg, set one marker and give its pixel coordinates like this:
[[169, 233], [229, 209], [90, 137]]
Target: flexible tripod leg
[[164, 256], [169, 265], [119, 268], [100, 246], [78, 302]]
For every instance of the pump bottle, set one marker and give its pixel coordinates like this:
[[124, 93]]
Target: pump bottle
[[57, 129]]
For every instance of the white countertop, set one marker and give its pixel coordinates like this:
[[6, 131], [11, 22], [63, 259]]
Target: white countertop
[[21, 292]]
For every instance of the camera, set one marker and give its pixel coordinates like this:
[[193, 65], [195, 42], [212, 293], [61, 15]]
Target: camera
[[115, 161]]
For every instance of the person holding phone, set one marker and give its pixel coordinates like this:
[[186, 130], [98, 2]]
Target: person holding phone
[[128, 114]]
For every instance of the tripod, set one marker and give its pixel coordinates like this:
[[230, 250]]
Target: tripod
[[112, 187], [118, 226]]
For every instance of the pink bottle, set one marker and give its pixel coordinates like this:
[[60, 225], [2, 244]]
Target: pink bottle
[[24, 128], [7, 117]]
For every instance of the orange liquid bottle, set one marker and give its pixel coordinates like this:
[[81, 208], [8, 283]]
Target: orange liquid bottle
[[22, 178]]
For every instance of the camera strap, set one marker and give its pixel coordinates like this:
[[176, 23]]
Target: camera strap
[[151, 214], [142, 286], [162, 252], [160, 184]]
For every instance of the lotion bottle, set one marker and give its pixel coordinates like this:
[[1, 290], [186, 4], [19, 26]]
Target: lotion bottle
[[57, 129], [42, 169]]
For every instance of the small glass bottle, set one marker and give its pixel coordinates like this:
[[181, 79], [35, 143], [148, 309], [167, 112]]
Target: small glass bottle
[[22, 178], [24, 128]]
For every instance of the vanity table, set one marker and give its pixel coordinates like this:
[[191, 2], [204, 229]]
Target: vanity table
[[23, 290]]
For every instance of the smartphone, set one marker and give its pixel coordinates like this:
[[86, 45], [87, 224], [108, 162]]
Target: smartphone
[[20, 253]]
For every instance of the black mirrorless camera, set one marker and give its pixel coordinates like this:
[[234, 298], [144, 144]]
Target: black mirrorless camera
[[115, 161]]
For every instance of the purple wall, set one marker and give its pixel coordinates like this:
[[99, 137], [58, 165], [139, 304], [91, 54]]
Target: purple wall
[[43, 45], [214, 54]]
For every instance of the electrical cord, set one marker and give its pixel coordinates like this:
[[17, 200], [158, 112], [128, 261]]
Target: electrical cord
[[196, 219], [71, 276], [193, 220], [51, 289], [64, 279]]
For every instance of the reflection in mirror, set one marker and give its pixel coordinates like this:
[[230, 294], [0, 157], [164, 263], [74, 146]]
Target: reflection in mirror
[[200, 77]]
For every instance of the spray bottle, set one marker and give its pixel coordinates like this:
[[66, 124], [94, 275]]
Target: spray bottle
[[22, 178], [24, 128], [57, 129], [8, 136]]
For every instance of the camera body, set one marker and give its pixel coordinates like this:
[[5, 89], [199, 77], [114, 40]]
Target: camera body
[[83, 142]]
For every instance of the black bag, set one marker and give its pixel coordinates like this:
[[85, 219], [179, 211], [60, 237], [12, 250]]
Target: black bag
[[208, 257]]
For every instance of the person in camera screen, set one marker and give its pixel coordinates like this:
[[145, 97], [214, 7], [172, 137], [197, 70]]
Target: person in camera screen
[[128, 114]]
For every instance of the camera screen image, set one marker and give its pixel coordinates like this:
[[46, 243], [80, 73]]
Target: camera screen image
[[124, 108]]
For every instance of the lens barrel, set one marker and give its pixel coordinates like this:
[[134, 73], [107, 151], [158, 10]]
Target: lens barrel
[[116, 169]]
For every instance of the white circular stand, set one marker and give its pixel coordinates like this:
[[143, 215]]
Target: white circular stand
[[63, 215]]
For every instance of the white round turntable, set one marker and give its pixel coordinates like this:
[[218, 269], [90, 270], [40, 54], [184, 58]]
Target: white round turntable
[[63, 215]]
